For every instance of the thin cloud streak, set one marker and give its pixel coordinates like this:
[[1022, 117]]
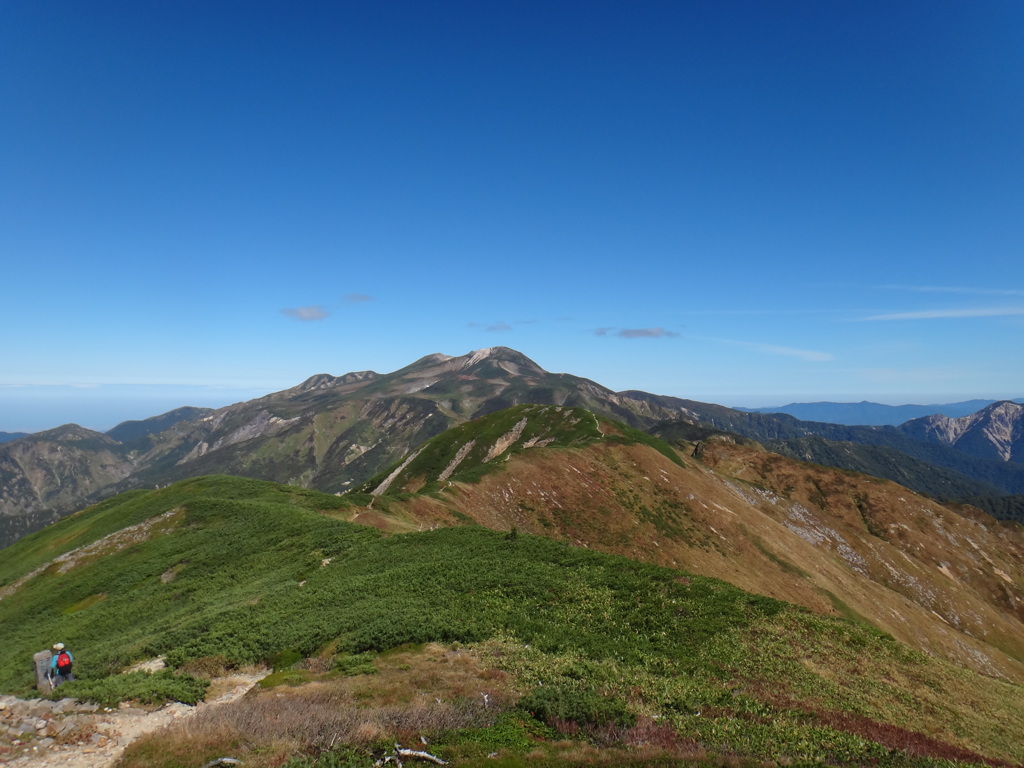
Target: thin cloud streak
[[306, 314], [954, 289], [499, 326], [645, 333], [948, 314], [42, 384], [636, 333], [356, 298], [745, 312], [809, 355]]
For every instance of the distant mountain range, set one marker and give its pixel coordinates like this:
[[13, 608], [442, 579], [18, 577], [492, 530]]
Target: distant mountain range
[[873, 414], [333, 433], [8, 436], [908, 454]]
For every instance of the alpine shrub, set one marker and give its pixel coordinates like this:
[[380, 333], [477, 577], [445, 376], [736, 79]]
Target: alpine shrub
[[555, 704]]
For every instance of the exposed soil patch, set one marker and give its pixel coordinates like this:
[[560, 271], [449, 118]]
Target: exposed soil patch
[[84, 736]]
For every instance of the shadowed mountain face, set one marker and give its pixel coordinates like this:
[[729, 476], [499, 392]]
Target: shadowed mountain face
[[333, 433]]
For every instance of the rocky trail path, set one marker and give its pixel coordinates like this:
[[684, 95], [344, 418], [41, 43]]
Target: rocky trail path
[[39, 733]]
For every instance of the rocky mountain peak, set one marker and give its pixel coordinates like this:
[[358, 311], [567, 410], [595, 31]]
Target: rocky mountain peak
[[483, 363], [1006, 408], [357, 376], [318, 381], [507, 359], [322, 381], [68, 433], [996, 431], [945, 429], [434, 359], [1002, 424]]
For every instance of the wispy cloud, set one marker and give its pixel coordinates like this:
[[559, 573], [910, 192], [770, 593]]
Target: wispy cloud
[[635, 333], [810, 355], [645, 333], [921, 377], [51, 384], [496, 327], [955, 289], [355, 298], [306, 314], [747, 311], [945, 314]]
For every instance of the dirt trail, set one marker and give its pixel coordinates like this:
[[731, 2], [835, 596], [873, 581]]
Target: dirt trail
[[116, 729]]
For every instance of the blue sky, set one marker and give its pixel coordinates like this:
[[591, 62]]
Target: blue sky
[[747, 203]]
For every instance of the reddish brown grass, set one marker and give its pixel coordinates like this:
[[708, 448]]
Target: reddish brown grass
[[892, 736], [913, 743], [415, 692]]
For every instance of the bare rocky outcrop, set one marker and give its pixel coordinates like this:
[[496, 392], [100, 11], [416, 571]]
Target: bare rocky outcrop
[[996, 431], [506, 441], [383, 487], [456, 460]]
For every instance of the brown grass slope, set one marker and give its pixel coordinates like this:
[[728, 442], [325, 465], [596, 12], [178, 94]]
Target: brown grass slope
[[836, 542]]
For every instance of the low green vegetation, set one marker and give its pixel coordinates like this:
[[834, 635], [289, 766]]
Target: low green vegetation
[[629, 436], [1000, 507], [466, 450], [600, 649], [143, 687]]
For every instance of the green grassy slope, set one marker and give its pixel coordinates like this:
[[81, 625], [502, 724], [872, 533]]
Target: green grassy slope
[[244, 571], [476, 447]]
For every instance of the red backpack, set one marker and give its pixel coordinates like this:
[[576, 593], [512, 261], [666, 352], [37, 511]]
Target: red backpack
[[63, 661]]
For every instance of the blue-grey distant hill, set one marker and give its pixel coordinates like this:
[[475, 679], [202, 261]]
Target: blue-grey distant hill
[[6, 437], [872, 414]]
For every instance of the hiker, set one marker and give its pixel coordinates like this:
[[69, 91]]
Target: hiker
[[60, 665]]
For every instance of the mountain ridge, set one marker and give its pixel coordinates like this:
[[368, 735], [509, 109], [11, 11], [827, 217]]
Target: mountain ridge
[[967, 474], [334, 432]]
